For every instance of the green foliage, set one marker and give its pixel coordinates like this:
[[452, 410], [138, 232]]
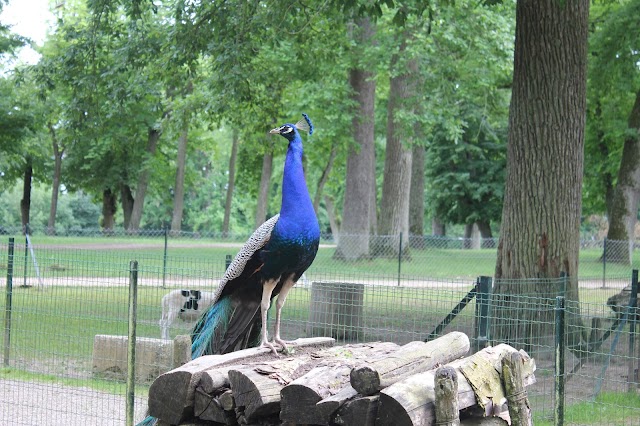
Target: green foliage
[[614, 80]]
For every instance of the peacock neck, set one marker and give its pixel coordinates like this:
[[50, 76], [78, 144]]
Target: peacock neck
[[296, 202]]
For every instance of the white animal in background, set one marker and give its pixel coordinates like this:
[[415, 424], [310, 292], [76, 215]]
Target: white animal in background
[[184, 304]]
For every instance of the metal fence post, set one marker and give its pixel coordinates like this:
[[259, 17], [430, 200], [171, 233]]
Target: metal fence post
[[604, 263], [131, 348], [633, 304], [482, 312], [399, 259], [164, 258], [559, 361], [7, 308], [26, 253]]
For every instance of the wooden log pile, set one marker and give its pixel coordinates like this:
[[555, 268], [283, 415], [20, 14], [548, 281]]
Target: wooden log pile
[[377, 383]]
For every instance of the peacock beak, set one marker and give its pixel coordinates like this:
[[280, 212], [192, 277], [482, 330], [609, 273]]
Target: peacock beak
[[274, 131]]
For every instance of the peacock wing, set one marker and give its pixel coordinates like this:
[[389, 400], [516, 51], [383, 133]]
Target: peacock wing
[[256, 241]]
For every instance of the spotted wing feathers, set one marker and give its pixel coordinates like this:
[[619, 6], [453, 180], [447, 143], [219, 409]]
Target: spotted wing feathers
[[255, 242]]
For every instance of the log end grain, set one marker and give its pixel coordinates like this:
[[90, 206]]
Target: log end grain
[[365, 379]]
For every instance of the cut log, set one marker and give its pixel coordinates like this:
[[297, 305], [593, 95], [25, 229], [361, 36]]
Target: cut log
[[171, 396], [301, 398], [518, 403], [411, 401], [216, 408], [358, 412], [256, 388], [446, 397], [181, 350], [415, 357]]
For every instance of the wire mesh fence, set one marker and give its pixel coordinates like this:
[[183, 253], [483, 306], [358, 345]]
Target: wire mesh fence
[[65, 352]]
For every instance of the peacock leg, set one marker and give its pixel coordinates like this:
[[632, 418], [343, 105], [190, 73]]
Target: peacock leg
[[282, 297], [267, 289]]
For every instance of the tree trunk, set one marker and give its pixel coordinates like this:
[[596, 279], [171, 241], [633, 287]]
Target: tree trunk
[[126, 198], [394, 206], [25, 203], [354, 232], [333, 224], [231, 183], [485, 234], [624, 206], [55, 185], [143, 180], [540, 231], [438, 228], [263, 194], [324, 177], [416, 195], [178, 194], [108, 210]]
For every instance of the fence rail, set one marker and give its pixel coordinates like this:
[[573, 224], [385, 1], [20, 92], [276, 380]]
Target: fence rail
[[55, 314]]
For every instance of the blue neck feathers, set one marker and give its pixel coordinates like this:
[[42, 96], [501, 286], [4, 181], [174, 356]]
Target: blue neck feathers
[[296, 214]]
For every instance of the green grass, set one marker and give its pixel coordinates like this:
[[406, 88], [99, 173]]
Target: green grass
[[610, 408], [105, 257]]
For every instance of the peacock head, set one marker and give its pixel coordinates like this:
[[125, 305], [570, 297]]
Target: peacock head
[[290, 131]]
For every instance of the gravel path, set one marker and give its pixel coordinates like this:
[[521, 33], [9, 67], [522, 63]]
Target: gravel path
[[52, 404]]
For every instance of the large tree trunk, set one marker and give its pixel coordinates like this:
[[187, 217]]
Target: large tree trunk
[[354, 233], [108, 210], [624, 206], [394, 206], [416, 195], [540, 231], [231, 183], [178, 194], [153, 137], [263, 192], [58, 151], [25, 202], [126, 198]]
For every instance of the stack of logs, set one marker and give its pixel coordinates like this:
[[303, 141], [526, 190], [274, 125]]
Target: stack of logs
[[377, 383]]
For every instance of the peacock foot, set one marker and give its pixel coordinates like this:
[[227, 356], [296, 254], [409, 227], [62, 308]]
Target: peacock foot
[[285, 348], [266, 344]]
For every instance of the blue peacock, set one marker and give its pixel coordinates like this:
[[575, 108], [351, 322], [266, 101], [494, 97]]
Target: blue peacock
[[268, 266]]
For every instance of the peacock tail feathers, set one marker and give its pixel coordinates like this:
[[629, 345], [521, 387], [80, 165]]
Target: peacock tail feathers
[[214, 321], [305, 124], [148, 421]]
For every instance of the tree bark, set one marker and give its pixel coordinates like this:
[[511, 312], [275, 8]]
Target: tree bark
[[416, 195], [354, 233], [231, 183], [126, 199], [438, 228], [540, 231], [624, 206], [181, 160], [333, 223], [153, 136], [58, 151], [25, 202], [263, 193], [108, 210], [394, 206]]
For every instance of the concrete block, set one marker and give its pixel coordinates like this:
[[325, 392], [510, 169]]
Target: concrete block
[[153, 357]]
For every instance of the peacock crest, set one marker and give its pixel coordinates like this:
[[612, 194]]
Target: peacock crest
[[305, 124]]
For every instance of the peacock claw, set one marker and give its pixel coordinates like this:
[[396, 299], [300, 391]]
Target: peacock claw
[[270, 346]]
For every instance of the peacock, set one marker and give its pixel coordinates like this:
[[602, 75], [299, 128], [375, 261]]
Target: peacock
[[268, 265]]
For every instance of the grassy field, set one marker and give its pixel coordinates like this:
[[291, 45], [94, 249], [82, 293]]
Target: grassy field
[[75, 256]]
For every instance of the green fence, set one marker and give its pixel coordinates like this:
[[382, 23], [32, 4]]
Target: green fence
[[55, 371]]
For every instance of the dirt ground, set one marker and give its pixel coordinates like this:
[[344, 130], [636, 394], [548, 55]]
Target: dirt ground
[[51, 404]]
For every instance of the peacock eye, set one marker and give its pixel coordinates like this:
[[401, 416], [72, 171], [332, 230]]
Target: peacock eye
[[287, 129]]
